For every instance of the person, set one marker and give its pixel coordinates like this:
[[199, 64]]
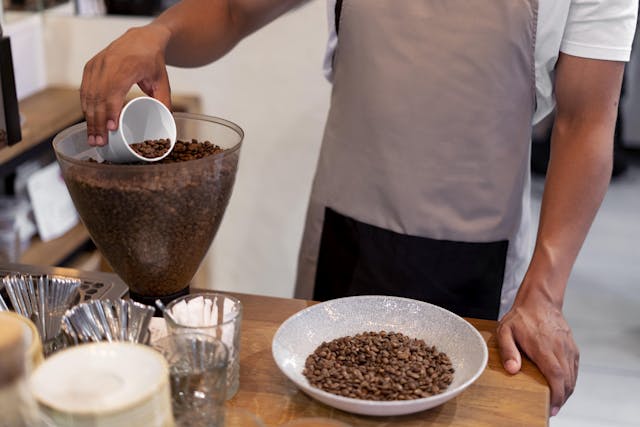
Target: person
[[422, 185]]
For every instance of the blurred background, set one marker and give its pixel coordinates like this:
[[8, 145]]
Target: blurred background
[[272, 86]]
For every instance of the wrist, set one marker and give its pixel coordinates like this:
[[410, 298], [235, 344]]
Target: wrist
[[538, 291], [160, 34], [545, 279]]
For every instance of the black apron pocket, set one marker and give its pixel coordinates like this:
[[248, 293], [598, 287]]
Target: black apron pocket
[[360, 259]]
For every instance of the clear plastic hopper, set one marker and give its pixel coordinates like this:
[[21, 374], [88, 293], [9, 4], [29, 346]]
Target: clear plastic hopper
[[153, 222]]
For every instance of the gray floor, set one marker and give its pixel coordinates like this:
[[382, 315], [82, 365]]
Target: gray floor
[[602, 306]]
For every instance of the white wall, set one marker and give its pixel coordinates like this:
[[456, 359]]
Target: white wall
[[27, 51], [272, 86]]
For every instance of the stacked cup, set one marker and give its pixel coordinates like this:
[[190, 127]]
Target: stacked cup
[[104, 384], [44, 300]]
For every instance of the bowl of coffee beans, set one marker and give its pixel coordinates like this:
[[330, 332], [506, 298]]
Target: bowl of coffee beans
[[379, 355]]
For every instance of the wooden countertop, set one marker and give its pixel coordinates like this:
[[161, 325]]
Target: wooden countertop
[[495, 399]]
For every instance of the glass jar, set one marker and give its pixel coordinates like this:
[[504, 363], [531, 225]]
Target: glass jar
[[153, 222]]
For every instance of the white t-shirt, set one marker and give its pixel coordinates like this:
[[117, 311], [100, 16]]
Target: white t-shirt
[[597, 29]]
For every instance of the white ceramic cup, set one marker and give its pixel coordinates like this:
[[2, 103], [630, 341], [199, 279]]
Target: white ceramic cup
[[141, 119], [106, 384]]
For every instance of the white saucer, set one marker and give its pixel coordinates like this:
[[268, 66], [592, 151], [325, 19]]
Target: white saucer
[[101, 379]]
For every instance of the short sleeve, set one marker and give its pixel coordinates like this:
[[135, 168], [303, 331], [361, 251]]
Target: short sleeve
[[600, 29]]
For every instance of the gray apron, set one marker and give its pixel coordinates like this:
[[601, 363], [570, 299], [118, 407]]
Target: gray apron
[[422, 183]]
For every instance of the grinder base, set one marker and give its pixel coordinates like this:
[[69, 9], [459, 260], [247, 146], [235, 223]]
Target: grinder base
[[151, 300]]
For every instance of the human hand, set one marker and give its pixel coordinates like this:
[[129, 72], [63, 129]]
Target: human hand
[[537, 326], [135, 57]]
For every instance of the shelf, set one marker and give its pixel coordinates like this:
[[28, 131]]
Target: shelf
[[46, 113], [57, 250]]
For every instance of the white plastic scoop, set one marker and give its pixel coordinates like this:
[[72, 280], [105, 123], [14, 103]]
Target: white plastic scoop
[[142, 119]]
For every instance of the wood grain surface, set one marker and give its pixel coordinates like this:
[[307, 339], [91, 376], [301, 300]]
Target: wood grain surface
[[45, 113], [496, 399]]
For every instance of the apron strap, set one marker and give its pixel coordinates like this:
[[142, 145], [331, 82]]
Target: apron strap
[[338, 11]]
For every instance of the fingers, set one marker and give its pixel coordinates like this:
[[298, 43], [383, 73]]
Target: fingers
[[544, 336], [569, 359], [556, 358], [113, 106], [86, 98], [509, 353], [159, 87], [105, 116], [101, 98], [560, 366], [87, 74], [136, 56], [162, 89], [555, 371], [576, 365]]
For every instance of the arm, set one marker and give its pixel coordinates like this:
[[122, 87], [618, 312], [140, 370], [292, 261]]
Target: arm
[[587, 93], [191, 33], [203, 31]]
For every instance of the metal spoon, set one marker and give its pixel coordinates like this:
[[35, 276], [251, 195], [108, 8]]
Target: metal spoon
[[165, 312]]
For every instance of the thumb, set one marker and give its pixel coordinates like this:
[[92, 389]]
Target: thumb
[[158, 88], [161, 88], [509, 353]]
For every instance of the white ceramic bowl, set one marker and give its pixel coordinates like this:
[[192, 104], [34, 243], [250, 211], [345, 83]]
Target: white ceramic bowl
[[303, 332], [104, 384]]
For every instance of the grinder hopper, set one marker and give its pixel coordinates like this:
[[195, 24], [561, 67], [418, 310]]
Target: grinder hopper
[[153, 222]]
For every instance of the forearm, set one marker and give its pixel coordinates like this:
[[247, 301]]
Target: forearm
[[577, 180], [587, 93], [199, 32]]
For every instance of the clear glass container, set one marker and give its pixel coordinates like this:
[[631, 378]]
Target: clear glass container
[[215, 314], [197, 373], [153, 222]]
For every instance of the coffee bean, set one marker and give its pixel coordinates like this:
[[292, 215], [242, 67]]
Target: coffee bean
[[379, 366]]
